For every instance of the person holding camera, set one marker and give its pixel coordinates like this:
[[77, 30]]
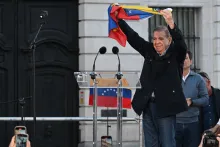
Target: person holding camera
[[210, 140], [216, 128]]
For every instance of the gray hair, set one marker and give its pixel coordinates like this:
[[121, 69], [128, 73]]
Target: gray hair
[[162, 29]]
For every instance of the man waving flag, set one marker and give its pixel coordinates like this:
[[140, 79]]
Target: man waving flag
[[129, 13]]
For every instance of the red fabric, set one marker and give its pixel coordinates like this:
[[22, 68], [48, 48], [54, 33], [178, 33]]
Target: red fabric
[[107, 101], [117, 33]]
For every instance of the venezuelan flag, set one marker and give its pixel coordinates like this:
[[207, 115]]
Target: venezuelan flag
[[107, 97], [128, 12]]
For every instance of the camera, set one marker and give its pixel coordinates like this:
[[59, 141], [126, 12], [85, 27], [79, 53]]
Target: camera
[[210, 140]]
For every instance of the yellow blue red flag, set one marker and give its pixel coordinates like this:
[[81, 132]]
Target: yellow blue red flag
[[129, 12], [107, 97]]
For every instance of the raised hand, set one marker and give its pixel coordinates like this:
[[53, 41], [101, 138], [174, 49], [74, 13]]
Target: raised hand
[[167, 14]]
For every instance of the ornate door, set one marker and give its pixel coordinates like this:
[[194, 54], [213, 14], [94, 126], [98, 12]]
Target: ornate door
[[56, 58]]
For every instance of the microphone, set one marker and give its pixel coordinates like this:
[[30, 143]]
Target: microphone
[[102, 50], [115, 50], [43, 14]]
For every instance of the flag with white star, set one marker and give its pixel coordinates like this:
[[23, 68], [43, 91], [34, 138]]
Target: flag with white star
[[126, 12], [107, 97]]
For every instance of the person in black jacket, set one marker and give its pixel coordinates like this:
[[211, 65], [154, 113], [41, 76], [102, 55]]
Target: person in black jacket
[[210, 114], [161, 96]]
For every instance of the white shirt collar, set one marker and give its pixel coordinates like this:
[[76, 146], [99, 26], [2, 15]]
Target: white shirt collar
[[184, 78]]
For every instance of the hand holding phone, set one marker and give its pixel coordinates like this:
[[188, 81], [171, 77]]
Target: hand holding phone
[[18, 139], [106, 141]]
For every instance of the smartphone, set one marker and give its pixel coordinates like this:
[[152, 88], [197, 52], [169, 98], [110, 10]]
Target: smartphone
[[20, 130], [106, 141], [21, 140]]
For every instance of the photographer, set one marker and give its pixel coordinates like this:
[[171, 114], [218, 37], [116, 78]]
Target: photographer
[[202, 145], [13, 143], [216, 128]]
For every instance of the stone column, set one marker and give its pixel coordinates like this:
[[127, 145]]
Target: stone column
[[216, 42]]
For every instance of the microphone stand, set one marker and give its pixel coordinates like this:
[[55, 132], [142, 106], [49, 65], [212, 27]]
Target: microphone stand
[[95, 93], [119, 102], [93, 75], [33, 48]]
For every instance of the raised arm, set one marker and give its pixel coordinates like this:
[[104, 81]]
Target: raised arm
[[137, 42], [177, 36], [179, 43]]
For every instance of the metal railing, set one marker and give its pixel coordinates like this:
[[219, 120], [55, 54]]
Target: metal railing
[[138, 120]]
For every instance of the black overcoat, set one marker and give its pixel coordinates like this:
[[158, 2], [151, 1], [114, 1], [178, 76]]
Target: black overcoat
[[216, 105], [161, 74]]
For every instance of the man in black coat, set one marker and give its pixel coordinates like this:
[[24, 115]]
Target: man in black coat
[[161, 96]]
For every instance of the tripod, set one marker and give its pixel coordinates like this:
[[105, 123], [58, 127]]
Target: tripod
[[21, 102], [32, 47]]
